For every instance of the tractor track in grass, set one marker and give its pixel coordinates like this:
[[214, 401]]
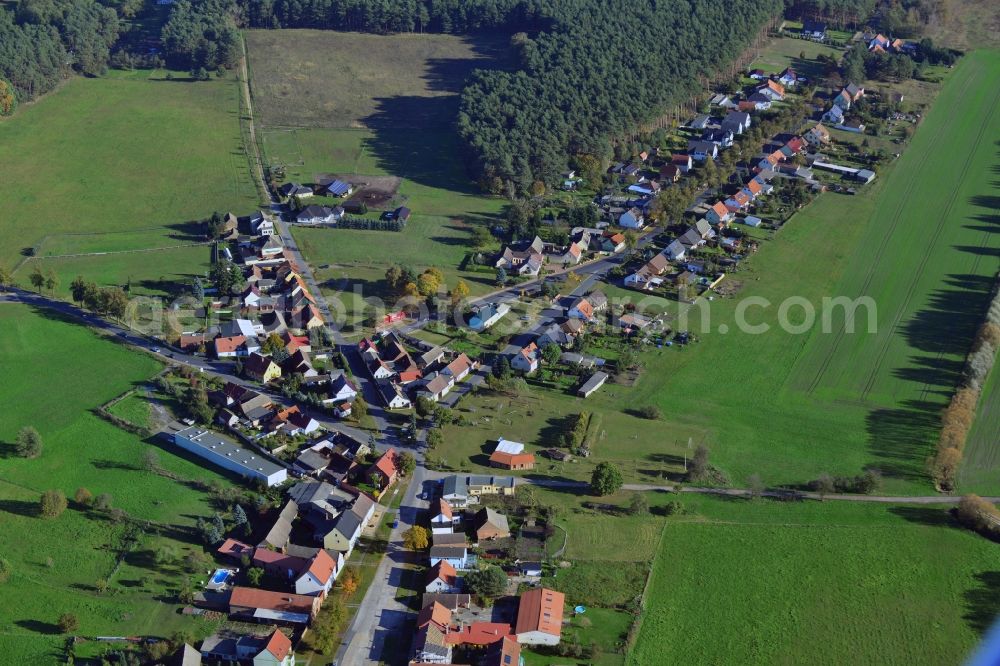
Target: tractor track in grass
[[942, 222], [876, 260]]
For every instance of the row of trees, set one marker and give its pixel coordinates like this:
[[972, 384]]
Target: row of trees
[[108, 301], [388, 16], [961, 411]]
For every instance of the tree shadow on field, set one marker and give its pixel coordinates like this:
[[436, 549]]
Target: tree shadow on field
[[19, 508], [39, 627], [982, 603], [901, 439], [947, 324], [415, 135], [926, 515]]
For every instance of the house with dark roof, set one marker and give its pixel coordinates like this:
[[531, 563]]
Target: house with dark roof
[[814, 29]]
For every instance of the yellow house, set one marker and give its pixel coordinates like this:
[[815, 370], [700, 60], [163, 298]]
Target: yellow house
[[261, 368]]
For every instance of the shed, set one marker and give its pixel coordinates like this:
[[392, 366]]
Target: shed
[[595, 382]]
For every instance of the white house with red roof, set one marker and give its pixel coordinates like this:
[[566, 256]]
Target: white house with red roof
[[317, 577], [718, 213]]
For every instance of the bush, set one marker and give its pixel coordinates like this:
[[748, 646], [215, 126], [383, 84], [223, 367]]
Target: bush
[[650, 412], [52, 503], [28, 443], [68, 623], [978, 514], [606, 479]]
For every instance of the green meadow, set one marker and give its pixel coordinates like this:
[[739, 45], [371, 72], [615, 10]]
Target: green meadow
[[56, 372], [125, 162], [763, 582]]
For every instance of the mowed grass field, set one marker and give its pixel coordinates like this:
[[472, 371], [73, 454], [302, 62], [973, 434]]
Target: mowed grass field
[[739, 582], [55, 373], [322, 78], [120, 163], [786, 52]]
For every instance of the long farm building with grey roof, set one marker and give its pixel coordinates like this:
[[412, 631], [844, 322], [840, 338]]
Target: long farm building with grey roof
[[229, 455]]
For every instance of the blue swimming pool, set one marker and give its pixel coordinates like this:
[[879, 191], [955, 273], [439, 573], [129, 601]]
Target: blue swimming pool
[[220, 576]]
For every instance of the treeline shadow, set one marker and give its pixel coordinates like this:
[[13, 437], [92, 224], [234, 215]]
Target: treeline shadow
[[982, 603], [900, 439]]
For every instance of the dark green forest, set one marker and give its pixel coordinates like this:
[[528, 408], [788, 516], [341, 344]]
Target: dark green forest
[[589, 70]]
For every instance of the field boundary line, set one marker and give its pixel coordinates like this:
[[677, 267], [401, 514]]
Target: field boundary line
[[633, 633], [110, 252]]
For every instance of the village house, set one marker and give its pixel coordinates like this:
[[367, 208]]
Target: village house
[[384, 471], [249, 604], [459, 368], [260, 225], [392, 395], [456, 556], [702, 150], [737, 122], [296, 190], [315, 215], [261, 368], [526, 359], [814, 29], [436, 386], [817, 135], [511, 455], [229, 646], [835, 115], [772, 90], [539, 617], [738, 201], [788, 78], [647, 277], [670, 173], [442, 578], [760, 101], [718, 214], [682, 162], [524, 257], [490, 524], [632, 219], [444, 519], [484, 316], [462, 490]]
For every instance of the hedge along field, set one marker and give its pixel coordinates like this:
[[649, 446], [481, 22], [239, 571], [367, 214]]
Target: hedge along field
[[130, 152], [56, 372], [763, 582]]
